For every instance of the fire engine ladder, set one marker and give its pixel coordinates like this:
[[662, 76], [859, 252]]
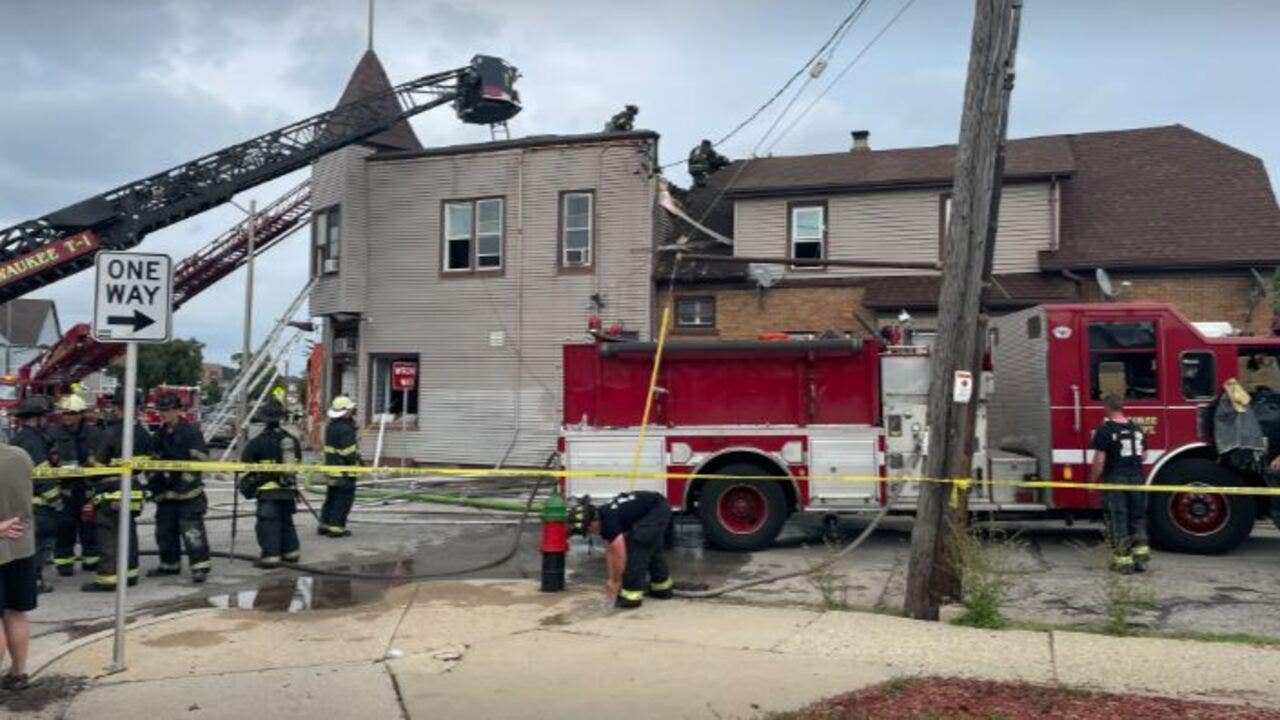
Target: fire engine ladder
[[77, 354], [38, 252], [270, 374], [259, 366]]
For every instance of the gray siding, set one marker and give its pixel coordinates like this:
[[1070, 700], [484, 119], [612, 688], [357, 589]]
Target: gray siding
[[470, 394], [341, 178], [896, 225], [1018, 409]]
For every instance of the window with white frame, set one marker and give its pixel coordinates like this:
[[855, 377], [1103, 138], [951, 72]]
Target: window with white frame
[[808, 231], [326, 240], [473, 235], [696, 312], [577, 229]]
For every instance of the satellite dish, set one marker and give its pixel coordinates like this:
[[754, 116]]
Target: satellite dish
[[766, 276], [1104, 284]]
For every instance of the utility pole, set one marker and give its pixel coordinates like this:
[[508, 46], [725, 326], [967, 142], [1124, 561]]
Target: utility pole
[[243, 415], [966, 271]]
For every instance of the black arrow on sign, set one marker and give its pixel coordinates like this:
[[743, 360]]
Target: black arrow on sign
[[138, 321]]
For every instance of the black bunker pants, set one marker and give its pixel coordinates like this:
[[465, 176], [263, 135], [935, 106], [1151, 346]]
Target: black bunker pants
[[1126, 513], [645, 556], [180, 523], [277, 535]]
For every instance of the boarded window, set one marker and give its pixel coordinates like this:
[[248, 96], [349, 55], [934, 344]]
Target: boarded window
[[577, 228]]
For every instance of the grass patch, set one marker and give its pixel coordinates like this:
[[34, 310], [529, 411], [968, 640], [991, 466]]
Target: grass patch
[[830, 584], [1264, 641], [986, 570]]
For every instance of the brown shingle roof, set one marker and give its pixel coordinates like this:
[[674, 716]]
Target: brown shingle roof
[[370, 79], [904, 167], [1008, 292], [1166, 198]]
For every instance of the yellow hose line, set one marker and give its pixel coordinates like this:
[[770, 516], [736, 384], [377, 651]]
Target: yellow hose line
[[648, 398], [460, 472]]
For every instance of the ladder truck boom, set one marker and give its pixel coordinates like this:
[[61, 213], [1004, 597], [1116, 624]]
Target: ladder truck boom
[[41, 251]]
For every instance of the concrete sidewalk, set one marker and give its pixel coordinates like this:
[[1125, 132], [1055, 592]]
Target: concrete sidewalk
[[503, 650]]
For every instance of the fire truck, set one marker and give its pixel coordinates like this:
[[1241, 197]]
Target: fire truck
[[828, 424], [188, 401]]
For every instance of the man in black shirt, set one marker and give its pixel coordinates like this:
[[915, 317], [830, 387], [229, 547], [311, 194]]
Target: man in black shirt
[[1117, 459], [633, 527]]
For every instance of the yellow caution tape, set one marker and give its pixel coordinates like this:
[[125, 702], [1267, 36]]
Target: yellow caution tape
[[959, 485]]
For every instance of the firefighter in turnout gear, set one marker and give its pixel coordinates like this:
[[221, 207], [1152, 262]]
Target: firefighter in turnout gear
[[107, 495], [47, 496], [1117, 459], [275, 492], [633, 526], [341, 447], [179, 495], [77, 441]]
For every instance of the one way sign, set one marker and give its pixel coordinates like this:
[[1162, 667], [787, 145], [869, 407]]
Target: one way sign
[[134, 297]]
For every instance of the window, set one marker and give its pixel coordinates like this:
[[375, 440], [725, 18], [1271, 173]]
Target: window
[[1122, 360], [808, 234], [473, 235], [386, 399], [697, 312], [944, 224], [577, 229], [1198, 381], [326, 240]]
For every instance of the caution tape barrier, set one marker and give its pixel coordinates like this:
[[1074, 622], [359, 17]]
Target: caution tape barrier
[[959, 484]]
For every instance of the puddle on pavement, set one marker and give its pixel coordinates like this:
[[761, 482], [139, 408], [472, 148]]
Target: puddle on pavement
[[302, 593], [44, 691]]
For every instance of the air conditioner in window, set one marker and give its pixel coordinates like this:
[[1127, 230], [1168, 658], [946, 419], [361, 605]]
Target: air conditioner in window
[[344, 344], [331, 265]]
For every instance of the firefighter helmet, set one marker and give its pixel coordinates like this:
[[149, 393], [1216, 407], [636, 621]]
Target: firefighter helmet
[[72, 404], [169, 401], [341, 406], [581, 515], [32, 406]]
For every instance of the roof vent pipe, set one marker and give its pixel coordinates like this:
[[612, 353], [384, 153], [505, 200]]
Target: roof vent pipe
[[861, 140]]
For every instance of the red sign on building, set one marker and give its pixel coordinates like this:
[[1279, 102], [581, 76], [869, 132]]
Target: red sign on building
[[404, 375]]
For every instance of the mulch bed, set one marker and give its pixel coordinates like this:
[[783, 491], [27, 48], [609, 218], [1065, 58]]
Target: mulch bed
[[958, 699]]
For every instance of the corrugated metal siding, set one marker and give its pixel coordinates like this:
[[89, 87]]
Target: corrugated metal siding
[[896, 225], [341, 178], [1018, 409], [469, 391]]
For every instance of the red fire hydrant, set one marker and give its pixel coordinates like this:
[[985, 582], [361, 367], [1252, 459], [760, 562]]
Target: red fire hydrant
[[555, 542]]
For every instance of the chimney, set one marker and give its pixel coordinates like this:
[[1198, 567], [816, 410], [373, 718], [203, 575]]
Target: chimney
[[861, 140]]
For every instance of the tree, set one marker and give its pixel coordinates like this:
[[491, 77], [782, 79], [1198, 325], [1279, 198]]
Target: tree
[[212, 393], [178, 362]]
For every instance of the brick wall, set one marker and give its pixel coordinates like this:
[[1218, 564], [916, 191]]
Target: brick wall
[[1200, 296], [745, 314]]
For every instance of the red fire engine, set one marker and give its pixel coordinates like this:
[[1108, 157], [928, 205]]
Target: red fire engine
[[789, 410], [188, 399]]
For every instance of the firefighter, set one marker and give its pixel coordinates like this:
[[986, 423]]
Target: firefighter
[[179, 495], [623, 121], [633, 527], [107, 496], [47, 496], [274, 491], [704, 161], [77, 441], [341, 447], [1117, 459]]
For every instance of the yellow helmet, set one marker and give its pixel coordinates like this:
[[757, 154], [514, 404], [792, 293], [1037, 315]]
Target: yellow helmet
[[72, 404], [340, 406]]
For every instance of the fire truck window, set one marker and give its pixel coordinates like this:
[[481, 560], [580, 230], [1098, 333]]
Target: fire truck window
[[1122, 336], [1122, 360], [1197, 375], [1033, 327], [1259, 371]]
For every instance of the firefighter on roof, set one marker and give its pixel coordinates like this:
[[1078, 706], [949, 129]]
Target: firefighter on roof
[[77, 441], [704, 161], [633, 527], [179, 495], [107, 495], [46, 498], [1118, 447], [623, 121], [341, 447], [275, 492]]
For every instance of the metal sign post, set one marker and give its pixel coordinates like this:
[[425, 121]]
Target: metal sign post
[[133, 303]]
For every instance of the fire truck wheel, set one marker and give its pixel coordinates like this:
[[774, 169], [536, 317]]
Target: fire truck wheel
[[742, 515], [1199, 523]]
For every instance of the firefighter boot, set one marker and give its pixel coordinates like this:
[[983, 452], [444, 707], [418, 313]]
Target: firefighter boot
[[628, 599], [1141, 557], [1122, 564], [661, 590]]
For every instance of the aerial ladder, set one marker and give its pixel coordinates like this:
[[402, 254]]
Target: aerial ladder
[[42, 251]]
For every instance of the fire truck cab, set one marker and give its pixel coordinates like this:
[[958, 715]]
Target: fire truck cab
[[826, 424]]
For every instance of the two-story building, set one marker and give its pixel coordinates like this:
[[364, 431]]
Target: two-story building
[[473, 264], [1166, 213]]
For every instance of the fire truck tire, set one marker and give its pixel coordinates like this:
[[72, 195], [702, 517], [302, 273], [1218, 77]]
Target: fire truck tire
[[1199, 524], [742, 515]]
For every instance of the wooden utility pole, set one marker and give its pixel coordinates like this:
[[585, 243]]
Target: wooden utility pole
[[967, 260]]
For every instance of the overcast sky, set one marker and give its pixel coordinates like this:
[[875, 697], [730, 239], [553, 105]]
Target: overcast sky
[[100, 92]]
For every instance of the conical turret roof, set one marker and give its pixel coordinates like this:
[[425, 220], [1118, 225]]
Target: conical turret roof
[[369, 80]]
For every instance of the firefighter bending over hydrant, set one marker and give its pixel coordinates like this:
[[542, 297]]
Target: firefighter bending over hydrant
[[341, 447], [1117, 459], [633, 527], [275, 492]]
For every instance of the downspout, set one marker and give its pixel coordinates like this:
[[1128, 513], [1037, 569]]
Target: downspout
[[518, 373]]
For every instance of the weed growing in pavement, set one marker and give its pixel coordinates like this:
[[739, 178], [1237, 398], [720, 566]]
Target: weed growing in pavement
[[986, 570], [828, 582], [1123, 596]]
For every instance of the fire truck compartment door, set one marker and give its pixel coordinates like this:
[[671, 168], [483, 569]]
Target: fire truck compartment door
[[854, 467], [610, 454]]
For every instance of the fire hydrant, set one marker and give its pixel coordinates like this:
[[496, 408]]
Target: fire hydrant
[[555, 542]]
